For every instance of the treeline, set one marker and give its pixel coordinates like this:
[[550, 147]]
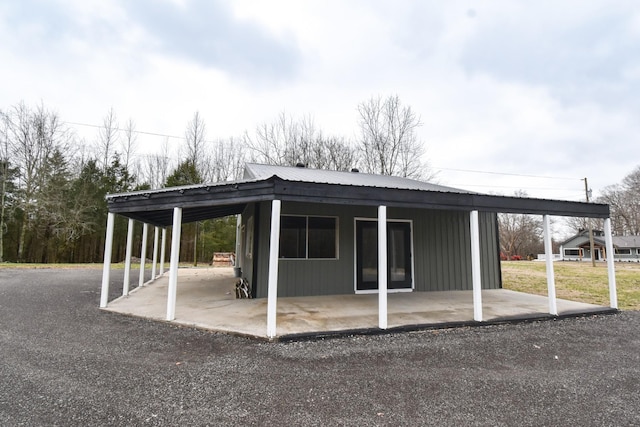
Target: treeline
[[53, 184]]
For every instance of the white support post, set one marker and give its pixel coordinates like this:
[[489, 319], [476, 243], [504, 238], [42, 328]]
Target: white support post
[[143, 253], [106, 269], [476, 272], [156, 231], [163, 250], [127, 259], [274, 249], [548, 255], [611, 269], [175, 259], [382, 267]]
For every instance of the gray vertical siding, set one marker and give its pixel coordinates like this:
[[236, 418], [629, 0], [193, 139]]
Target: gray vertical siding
[[246, 263], [490, 251], [441, 251], [297, 277]]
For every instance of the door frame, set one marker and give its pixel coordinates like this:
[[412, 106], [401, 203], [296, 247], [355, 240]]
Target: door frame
[[355, 256]]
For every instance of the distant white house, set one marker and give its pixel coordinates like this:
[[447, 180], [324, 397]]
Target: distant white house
[[577, 248]]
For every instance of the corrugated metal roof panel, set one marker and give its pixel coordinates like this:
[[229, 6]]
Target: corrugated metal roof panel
[[303, 174]]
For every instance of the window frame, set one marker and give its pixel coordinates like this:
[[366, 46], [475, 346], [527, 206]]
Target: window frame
[[579, 250], [617, 251], [306, 234]]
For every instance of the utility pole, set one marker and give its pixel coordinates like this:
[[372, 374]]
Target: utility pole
[[587, 192]]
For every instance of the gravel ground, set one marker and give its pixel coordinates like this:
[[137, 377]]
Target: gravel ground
[[65, 362]]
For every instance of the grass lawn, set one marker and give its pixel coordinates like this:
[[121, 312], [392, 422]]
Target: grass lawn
[[576, 281]]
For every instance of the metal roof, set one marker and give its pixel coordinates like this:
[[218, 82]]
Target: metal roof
[[582, 239], [265, 183], [359, 179]]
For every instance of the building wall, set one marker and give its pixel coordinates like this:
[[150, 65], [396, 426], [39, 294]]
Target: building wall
[[634, 256], [441, 251]]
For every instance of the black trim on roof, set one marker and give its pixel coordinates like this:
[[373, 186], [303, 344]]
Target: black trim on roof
[[213, 201]]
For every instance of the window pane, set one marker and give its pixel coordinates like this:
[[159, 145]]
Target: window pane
[[396, 254], [370, 253], [322, 237], [293, 237]]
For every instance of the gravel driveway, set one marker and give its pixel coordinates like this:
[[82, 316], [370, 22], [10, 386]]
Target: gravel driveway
[[65, 362]]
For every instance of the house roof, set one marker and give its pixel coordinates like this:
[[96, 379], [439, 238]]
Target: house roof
[[264, 183], [626, 241], [303, 174], [582, 239]]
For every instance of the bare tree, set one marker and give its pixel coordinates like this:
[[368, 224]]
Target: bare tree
[[578, 224], [129, 142], [287, 141], [154, 168], [624, 199], [388, 138], [108, 137], [274, 142], [228, 160], [195, 148], [4, 176], [34, 136], [333, 153], [520, 234]]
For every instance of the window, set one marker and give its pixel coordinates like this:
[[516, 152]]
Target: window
[[308, 237], [621, 251], [293, 237], [572, 252], [637, 251]]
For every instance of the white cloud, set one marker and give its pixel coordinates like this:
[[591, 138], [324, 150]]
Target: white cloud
[[541, 88]]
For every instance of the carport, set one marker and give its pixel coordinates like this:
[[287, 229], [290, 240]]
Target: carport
[[175, 206]]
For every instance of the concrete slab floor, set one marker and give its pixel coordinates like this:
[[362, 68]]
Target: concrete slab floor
[[206, 299]]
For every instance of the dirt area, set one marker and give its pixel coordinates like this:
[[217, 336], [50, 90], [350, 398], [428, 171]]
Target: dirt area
[[65, 362]]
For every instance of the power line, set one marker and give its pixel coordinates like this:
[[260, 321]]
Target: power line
[[123, 130], [507, 174], [512, 186]]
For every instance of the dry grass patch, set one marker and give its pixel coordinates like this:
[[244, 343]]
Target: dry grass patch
[[576, 281]]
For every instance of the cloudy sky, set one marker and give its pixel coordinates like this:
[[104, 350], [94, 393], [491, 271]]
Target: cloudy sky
[[517, 88]]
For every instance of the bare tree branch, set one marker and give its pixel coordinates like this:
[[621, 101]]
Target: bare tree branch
[[388, 139]]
